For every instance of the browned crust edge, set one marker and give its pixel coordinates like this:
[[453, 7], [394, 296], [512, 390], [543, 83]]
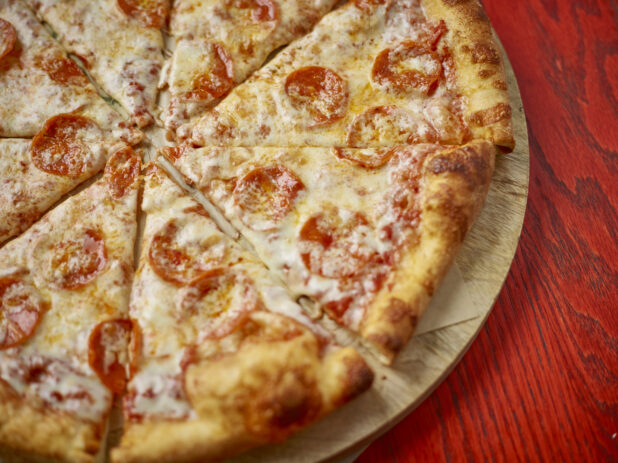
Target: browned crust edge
[[29, 434], [455, 184], [222, 390], [479, 68]]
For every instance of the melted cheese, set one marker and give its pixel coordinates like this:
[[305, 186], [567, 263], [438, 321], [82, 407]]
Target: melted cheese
[[62, 336], [123, 56], [29, 96], [197, 23], [328, 182], [168, 328], [346, 41]]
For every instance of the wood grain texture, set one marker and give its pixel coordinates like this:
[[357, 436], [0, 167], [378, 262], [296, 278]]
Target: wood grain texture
[[541, 381]]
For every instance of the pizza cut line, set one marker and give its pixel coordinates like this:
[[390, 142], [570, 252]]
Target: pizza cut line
[[353, 163]]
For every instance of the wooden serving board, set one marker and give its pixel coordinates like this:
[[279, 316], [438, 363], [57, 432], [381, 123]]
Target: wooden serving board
[[484, 262]]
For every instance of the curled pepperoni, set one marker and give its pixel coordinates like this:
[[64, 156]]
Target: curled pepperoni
[[218, 80], [64, 71], [389, 125], [107, 352], [180, 258], [408, 66], [266, 195], [335, 243], [62, 146], [121, 171], [76, 262], [261, 10], [369, 158], [8, 37], [21, 308], [151, 13], [319, 91]]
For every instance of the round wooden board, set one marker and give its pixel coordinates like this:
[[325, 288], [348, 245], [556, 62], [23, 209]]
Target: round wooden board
[[484, 262]]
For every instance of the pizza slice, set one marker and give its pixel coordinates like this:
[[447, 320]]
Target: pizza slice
[[226, 360], [373, 74], [366, 233], [35, 174], [221, 42], [64, 327], [38, 80], [119, 42]]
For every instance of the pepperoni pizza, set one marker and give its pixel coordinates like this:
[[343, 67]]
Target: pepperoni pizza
[[119, 42], [344, 172], [38, 80], [220, 343], [367, 233], [64, 296], [371, 74], [220, 42]]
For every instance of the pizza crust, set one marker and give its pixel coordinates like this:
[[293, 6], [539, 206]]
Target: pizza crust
[[479, 66], [292, 380], [30, 434], [456, 182]]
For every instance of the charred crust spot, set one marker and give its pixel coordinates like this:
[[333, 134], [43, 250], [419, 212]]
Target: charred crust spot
[[391, 343], [484, 53], [491, 115], [358, 378], [486, 73], [399, 311], [499, 84], [471, 164], [289, 403]]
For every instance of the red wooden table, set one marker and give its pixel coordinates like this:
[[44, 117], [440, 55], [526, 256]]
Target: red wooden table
[[541, 381]]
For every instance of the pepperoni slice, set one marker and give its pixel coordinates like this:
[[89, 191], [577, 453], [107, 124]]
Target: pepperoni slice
[[107, 352], [389, 124], [218, 80], [406, 67], [180, 258], [76, 262], [62, 146], [8, 37], [21, 308], [335, 243], [151, 13], [121, 171], [370, 159], [319, 91], [266, 195], [261, 10], [64, 71]]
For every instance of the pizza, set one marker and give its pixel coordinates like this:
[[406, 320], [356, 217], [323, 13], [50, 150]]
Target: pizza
[[314, 167], [220, 342], [366, 233], [34, 174], [38, 80], [119, 42], [64, 326], [371, 74], [219, 43]]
